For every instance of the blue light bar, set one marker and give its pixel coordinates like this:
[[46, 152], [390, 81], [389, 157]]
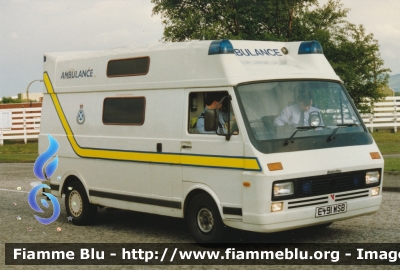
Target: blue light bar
[[310, 47], [220, 47]]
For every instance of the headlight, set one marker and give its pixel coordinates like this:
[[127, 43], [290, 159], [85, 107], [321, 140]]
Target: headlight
[[372, 177], [283, 189]]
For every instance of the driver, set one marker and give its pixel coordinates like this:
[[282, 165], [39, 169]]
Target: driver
[[298, 113]]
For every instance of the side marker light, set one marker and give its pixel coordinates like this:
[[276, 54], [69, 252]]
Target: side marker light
[[275, 166], [375, 155]]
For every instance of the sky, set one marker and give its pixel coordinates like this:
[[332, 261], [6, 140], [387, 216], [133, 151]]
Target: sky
[[30, 28]]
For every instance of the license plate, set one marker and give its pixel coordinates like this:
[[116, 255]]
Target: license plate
[[331, 210]]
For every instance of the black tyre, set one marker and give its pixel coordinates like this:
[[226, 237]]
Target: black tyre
[[204, 220], [78, 205]]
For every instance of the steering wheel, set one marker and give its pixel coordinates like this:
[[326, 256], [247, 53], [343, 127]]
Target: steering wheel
[[257, 121]]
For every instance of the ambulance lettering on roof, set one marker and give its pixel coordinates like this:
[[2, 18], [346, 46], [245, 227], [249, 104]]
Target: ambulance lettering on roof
[[257, 48], [257, 52]]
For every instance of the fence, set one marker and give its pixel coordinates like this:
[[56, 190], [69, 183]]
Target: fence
[[384, 115], [24, 123], [19, 123]]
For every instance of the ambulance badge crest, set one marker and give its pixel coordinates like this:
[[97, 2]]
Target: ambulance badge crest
[[80, 118]]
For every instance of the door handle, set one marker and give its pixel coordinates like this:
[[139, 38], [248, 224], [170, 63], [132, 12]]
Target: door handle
[[186, 146]]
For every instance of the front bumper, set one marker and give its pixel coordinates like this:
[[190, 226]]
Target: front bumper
[[304, 216]]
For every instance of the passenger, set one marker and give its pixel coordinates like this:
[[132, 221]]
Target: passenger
[[298, 113]]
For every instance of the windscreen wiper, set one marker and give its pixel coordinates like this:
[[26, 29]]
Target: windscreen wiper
[[301, 129], [332, 136]]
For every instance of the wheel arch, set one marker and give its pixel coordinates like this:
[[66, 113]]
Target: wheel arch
[[198, 189], [73, 176]]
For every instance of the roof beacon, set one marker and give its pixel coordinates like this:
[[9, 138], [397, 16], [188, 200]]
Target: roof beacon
[[310, 47], [220, 47]]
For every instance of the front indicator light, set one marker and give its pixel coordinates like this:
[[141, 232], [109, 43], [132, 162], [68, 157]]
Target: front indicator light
[[375, 155], [246, 184], [275, 166], [371, 177], [283, 189], [375, 191], [277, 206]]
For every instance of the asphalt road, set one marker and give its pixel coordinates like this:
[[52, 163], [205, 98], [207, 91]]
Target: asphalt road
[[18, 225]]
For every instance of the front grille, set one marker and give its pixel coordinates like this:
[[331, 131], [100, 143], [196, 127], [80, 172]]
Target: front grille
[[323, 200], [328, 184], [304, 203], [353, 195]]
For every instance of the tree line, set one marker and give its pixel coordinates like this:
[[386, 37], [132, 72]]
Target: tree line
[[352, 52], [6, 100]]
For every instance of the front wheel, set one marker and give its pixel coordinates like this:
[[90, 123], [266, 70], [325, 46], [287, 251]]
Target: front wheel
[[204, 221], [78, 205]]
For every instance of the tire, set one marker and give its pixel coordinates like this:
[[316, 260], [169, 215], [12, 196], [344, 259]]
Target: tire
[[78, 205], [204, 221]]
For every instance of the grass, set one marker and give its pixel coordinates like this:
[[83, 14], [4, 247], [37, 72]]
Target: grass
[[18, 152], [389, 144], [392, 164]]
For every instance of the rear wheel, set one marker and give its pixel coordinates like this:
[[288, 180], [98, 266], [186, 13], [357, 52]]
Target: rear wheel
[[204, 221], [78, 205]]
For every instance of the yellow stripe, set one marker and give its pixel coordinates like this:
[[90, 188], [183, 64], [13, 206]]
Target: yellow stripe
[[191, 160]]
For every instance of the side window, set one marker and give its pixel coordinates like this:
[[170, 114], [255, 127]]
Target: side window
[[196, 107], [124, 111], [128, 67], [199, 102]]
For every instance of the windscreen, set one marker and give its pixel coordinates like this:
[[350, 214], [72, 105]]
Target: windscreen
[[289, 110]]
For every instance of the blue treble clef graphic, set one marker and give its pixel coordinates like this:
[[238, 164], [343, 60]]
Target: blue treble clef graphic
[[35, 206], [44, 172], [44, 157]]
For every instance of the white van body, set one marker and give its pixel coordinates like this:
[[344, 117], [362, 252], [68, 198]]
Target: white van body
[[160, 164]]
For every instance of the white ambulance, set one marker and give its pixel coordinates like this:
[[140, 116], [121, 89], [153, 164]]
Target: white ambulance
[[127, 121]]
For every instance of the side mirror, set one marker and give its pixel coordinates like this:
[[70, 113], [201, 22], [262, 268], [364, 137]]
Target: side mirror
[[314, 120], [210, 120]]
